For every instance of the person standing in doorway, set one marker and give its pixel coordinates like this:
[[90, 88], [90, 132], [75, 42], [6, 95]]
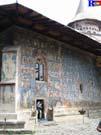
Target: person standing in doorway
[[39, 109]]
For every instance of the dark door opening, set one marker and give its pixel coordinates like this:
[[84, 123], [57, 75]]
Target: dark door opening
[[40, 108]]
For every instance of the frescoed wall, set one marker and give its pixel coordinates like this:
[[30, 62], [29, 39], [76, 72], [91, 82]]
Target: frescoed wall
[[80, 70], [27, 77], [67, 71], [71, 78], [8, 66], [7, 98], [8, 81]]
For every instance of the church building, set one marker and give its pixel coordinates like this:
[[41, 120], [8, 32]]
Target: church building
[[45, 65]]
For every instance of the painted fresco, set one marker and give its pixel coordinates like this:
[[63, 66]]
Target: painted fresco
[[79, 70], [67, 71], [27, 77], [8, 66], [27, 84], [54, 81], [7, 98], [41, 90]]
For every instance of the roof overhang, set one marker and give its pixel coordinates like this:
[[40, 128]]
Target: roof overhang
[[16, 14]]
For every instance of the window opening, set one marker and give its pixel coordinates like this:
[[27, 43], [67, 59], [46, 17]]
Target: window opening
[[39, 66]]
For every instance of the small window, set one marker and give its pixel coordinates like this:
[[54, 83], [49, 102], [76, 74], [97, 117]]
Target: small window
[[80, 28], [94, 32], [89, 32], [39, 71]]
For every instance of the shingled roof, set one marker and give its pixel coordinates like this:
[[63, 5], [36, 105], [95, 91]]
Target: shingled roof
[[17, 14]]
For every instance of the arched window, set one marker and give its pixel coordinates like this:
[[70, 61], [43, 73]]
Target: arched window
[[41, 68]]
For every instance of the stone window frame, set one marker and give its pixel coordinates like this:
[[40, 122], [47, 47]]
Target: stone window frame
[[41, 60], [39, 67]]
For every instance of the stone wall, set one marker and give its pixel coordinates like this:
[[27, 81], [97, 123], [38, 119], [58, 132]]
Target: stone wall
[[72, 79], [72, 74]]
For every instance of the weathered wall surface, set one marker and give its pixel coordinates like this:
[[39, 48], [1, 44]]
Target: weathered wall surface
[[7, 98], [80, 69], [7, 73], [8, 66], [72, 75]]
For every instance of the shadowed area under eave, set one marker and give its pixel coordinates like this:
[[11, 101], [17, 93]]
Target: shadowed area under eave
[[17, 14]]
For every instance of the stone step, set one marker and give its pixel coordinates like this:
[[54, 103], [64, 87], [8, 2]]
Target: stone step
[[8, 116], [16, 131], [12, 124]]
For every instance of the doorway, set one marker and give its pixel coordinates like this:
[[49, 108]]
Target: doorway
[[40, 108]]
